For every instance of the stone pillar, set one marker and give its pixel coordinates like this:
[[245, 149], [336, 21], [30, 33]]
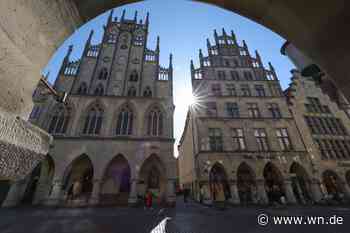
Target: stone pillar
[[207, 199], [15, 194], [234, 193], [56, 195], [260, 184], [289, 191], [133, 193], [316, 190], [95, 194], [171, 197], [346, 190]]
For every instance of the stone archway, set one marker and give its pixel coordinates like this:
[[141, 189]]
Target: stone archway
[[301, 183], [152, 177], [218, 183], [274, 183], [246, 184], [333, 186], [32, 184], [115, 185], [77, 182]]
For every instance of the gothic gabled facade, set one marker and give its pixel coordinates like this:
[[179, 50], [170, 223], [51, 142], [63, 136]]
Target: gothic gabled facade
[[113, 140], [240, 141]]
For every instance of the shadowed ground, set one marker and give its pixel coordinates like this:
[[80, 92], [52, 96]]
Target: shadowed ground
[[186, 218]]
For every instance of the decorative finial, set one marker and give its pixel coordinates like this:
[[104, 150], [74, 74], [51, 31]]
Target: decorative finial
[[224, 32], [192, 66]]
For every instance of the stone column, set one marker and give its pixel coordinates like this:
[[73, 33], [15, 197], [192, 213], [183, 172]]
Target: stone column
[[289, 191], [95, 194], [346, 190], [207, 199], [171, 198], [133, 193], [15, 194], [260, 184], [56, 195], [234, 193], [316, 190]]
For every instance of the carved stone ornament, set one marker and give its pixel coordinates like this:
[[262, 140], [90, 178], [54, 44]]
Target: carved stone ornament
[[22, 146]]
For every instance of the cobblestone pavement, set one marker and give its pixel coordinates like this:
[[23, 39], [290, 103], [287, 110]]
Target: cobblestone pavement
[[185, 218]]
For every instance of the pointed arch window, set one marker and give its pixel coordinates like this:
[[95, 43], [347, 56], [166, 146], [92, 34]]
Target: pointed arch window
[[82, 89], [93, 120], [103, 74], [155, 122], [147, 92], [134, 77], [125, 121], [132, 91], [99, 90], [59, 120]]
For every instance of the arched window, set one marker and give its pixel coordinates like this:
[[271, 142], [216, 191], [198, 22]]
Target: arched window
[[147, 92], [82, 89], [93, 120], [125, 121], [103, 74], [155, 122], [132, 91], [99, 90], [59, 120], [134, 76]]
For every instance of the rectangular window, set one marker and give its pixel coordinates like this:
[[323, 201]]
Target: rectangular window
[[216, 89], [315, 104], [341, 127], [211, 108], [238, 140], [234, 75], [245, 90], [221, 75], [274, 110], [260, 91], [232, 110], [310, 124], [321, 148], [261, 139], [248, 76], [253, 110], [215, 139], [283, 139], [231, 89]]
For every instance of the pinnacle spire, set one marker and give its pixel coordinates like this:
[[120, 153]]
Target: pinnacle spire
[[110, 17], [171, 61], [208, 43], [135, 17], [233, 36], [192, 66], [224, 32], [158, 42], [258, 58], [147, 19], [123, 16]]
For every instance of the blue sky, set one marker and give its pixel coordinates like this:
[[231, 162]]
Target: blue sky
[[183, 27]]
